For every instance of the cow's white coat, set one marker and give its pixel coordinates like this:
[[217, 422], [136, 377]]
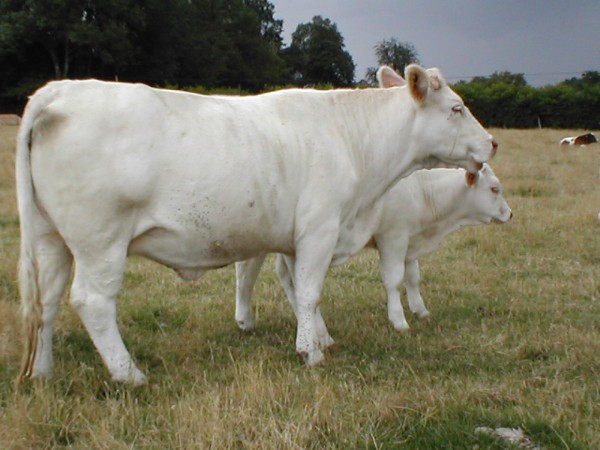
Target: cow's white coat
[[197, 182], [408, 222]]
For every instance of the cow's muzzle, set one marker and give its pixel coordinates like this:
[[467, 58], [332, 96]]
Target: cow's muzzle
[[497, 221]]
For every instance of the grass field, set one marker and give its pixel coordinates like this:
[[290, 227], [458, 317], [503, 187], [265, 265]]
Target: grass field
[[513, 340]]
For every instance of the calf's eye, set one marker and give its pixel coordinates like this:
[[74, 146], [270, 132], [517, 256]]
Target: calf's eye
[[495, 189], [457, 108]]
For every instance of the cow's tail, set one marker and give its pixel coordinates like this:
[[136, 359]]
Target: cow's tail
[[30, 218]]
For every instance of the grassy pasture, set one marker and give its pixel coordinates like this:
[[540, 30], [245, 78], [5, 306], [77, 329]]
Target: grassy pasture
[[513, 340]]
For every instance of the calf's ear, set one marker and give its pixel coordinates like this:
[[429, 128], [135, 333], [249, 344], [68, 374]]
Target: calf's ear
[[472, 178], [418, 81], [388, 77]]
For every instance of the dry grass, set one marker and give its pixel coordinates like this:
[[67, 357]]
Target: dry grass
[[513, 341]]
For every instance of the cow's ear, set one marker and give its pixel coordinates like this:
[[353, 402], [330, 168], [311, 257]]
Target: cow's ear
[[472, 178], [388, 77], [418, 81], [436, 79]]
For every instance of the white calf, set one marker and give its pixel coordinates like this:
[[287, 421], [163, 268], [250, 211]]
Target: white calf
[[410, 221]]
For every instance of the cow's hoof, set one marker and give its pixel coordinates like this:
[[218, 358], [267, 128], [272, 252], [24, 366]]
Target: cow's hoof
[[326, 342], [312, 359], [422, 314], [134, 377], [245, 325], [401, 326], [40, 371]]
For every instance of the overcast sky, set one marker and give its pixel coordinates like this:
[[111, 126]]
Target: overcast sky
[[547, 40]]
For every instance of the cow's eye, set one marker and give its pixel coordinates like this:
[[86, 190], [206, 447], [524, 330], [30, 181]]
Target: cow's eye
[[495, 189], [458, 108]]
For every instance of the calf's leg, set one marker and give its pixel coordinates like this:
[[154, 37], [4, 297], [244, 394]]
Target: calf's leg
[[412, 278], [246, 273], [391, 260]]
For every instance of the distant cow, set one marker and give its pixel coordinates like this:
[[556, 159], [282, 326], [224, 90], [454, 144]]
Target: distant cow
[[582, 140], [409, 222], [196, 182]]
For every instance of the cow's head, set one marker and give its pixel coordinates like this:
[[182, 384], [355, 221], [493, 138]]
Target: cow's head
[[485, 199], [443, 128]]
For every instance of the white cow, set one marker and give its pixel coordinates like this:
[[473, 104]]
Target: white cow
[[410, 221], [198, 182]]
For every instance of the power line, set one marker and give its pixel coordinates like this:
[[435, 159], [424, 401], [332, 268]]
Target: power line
[[535, 74]]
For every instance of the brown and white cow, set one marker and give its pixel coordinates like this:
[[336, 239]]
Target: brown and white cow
[[581, 140]]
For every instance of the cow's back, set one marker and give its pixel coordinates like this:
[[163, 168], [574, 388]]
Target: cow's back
[[223, 176]]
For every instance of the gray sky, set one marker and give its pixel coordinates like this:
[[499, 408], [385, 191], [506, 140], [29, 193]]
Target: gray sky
[[547, 40]]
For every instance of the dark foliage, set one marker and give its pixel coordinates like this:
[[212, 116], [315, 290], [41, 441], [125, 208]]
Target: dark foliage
[[506, 100], [391, 52], [209, 43], [317, 55], [237, 44]]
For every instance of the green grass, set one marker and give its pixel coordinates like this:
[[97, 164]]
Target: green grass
[[513, 340]]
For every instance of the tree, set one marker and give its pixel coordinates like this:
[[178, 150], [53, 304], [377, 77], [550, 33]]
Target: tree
[[213, 43], [317, 55], [505, 77], [255, 37], [176, 42], [505, 99], [588, 78], [501, 100], [391, 52], [270, 28], [69, 29]]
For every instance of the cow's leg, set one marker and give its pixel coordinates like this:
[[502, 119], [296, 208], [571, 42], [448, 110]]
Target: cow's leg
[[391, 260], [246, 273], [54, 267], [313, 257], [97, 281], [324, 338], [284, 266], [412, 277]]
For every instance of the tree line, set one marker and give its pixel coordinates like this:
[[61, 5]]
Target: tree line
[[506, 100], [206, 45], [212, 43]]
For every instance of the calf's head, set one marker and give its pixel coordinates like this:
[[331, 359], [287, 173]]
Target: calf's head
[[485, 199], [443, 128]]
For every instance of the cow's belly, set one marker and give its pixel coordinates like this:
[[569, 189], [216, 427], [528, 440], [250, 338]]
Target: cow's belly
[[189, 249], [356, 232]]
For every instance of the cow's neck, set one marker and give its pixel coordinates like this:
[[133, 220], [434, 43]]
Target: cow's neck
[[440, 194], [381, 159]]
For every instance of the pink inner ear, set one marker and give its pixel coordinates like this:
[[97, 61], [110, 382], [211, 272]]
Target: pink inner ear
[[391, 79]]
